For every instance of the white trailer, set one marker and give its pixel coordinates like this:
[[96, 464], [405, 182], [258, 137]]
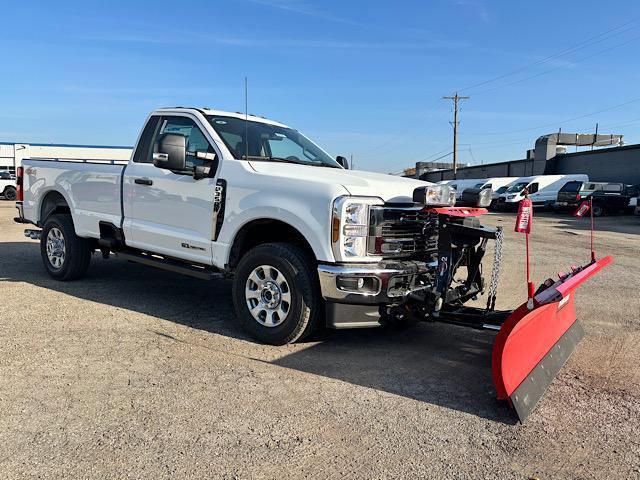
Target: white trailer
[[12, 153]]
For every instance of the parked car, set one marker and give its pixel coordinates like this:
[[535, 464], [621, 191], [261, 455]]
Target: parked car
[[608, 197], [613, 198], [634, 205], [542, 190], [7, 186]]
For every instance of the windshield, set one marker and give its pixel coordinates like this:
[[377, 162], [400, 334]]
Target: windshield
[[268, 142], [517, 187]]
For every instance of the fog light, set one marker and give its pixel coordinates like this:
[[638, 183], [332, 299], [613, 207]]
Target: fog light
[[365, 285], [391, 247]]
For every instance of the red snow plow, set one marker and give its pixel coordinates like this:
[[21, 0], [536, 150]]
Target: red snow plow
[[533, 341], [533, 345]]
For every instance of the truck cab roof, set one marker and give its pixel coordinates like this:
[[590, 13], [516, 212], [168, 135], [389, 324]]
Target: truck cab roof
[[220, 113]]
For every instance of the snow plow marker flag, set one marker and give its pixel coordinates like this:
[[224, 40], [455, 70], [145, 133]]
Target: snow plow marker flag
[[525, 216], [582, 209]]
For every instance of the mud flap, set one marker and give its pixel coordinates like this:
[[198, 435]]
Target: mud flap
[[533, 345]]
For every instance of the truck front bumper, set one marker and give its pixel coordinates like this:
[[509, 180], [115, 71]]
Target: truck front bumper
[[355, 294], [386, 282]]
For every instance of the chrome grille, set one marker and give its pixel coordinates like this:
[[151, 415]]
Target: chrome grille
[[414, 230]]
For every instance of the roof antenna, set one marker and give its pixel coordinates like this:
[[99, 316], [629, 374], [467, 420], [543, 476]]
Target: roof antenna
[[246, 119]]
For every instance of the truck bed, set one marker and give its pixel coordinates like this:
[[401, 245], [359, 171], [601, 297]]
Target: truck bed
[[91, 188]]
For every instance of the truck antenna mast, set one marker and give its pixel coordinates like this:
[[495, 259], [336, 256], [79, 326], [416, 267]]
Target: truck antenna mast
[[246, 119]]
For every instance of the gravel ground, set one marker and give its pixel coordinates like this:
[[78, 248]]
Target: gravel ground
[[138, 373]]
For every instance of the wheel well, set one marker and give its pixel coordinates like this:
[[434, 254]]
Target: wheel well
[[262, 231], [52, 203], [7, 187]]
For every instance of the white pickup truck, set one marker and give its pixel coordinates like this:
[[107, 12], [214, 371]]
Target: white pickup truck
[[7, 186], [210, 194]]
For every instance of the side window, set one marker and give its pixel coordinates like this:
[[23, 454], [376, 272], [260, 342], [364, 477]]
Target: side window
[[143, 153], [533, 188], [196, 141]]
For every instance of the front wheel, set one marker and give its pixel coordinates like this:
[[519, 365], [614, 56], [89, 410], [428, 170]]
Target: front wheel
[[65, 255], [276, 293]]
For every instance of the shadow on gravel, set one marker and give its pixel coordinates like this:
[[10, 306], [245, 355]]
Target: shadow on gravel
[[433, 363], [629, 224]]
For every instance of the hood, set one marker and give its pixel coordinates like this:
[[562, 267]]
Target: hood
[[390, 188]]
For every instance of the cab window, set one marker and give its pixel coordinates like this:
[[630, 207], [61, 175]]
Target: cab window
[[533, 188], [196, 141], [143, 150]]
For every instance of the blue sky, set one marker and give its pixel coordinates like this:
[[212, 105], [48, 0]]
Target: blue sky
[[359, 77]]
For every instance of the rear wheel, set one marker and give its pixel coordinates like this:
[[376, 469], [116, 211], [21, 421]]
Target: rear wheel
[[10, 194], [65, 255], [276, 294], [598, 211]]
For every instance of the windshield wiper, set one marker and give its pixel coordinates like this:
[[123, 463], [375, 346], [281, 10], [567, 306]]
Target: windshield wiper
[[283, 160]]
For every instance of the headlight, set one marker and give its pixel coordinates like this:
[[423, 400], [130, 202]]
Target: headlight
[[484, 197], [435, 195], [476, 197], [511, 197], [350, 227]]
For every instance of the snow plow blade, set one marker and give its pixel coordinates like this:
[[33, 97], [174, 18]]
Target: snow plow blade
[[533, 345]]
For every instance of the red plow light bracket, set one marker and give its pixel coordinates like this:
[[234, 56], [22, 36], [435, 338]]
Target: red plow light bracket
[[533, 345]]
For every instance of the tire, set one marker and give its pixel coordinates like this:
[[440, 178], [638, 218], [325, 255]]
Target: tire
[[298, 299], [76, 251], [598, 211], [10, 194]]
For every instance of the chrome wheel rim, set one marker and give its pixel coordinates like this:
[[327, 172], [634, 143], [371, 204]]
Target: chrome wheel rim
[[268, 296], [55, 247]]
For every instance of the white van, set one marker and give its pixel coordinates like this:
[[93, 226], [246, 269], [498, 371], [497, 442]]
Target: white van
[[497, 184], [543, 189], [461, 185]]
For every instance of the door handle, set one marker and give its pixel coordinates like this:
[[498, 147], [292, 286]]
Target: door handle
[[143, 181]]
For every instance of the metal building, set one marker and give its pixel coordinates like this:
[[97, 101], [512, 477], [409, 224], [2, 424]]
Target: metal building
[[12, 154], [614, 164]]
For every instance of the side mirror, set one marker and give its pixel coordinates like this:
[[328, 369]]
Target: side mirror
[[343, 162], [172, 152]]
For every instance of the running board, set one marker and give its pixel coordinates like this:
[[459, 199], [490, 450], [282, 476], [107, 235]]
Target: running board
[[170, 265]]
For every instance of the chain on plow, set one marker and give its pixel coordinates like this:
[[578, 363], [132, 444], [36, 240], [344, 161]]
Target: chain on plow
[[495, 270]]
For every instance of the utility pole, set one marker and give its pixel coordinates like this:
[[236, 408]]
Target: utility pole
[[455, 122]]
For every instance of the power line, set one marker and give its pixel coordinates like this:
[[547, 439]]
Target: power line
[[555, 124], [588, 42], [426, 159], [600, 52], [402, 135]]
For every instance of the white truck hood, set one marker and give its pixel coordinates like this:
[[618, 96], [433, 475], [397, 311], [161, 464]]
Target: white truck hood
[[357, 182]]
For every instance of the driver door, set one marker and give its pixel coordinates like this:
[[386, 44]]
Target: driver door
[[166, 212]]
